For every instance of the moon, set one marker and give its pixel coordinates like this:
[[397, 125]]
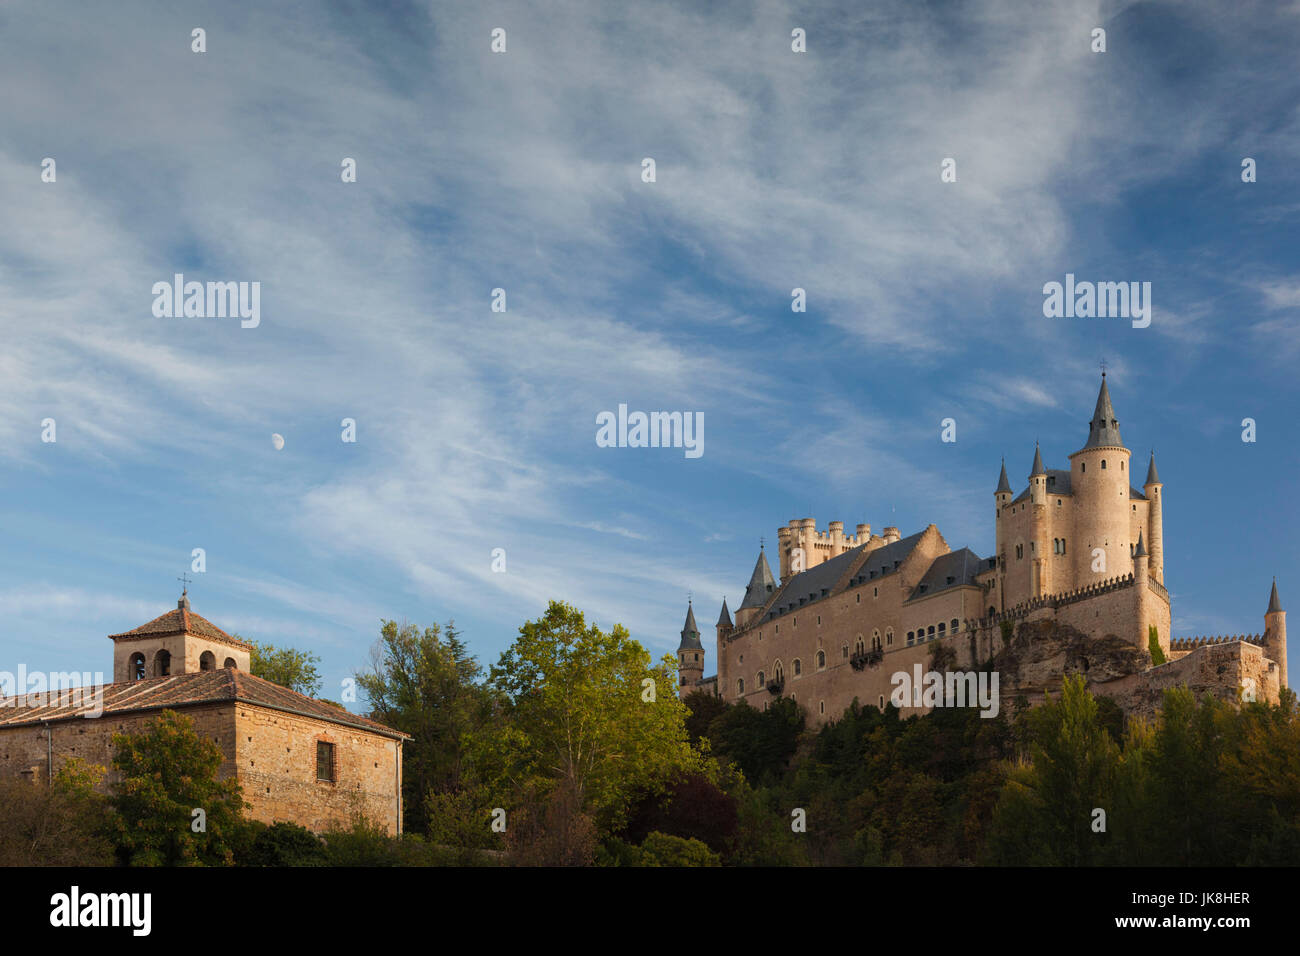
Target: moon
[[278, 441]]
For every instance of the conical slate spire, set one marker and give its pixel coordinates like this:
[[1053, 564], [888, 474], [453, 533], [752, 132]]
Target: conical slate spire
[[1003, 484], [1141, 551], [1153, 476], [1038, 463], [1273, 603], [761, 584], [724, 619], [690, 633], [1103, 430]]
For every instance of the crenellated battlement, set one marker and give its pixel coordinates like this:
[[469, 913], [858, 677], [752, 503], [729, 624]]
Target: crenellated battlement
[[1191, 643]]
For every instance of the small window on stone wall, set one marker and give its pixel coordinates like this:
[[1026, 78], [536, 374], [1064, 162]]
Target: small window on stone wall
[[324, 761], [137, 667], [162, 664], [230, 662], [207, 661]]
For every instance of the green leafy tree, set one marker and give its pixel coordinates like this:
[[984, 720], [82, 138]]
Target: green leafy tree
[[286, 666], [166, 772], [426, 683], [577, 708]]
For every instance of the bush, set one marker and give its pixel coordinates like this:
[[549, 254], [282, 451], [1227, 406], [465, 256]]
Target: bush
[[287, 844]]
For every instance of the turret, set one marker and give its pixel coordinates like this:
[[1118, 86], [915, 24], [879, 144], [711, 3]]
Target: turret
[[1099, 482], [1275, 634], [1156, 545], [690, 655], [1038, 584], [759, 591]]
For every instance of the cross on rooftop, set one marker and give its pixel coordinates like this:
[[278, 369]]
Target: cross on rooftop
[[185, 582]]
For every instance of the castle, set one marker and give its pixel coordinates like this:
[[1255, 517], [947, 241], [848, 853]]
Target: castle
[[297, 759], [1076, 584]]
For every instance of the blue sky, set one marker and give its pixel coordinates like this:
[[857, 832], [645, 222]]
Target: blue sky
[[476, 430]]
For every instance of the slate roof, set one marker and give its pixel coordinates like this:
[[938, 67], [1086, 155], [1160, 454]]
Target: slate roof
[[183, 621], [178, 691], [690, 632], [950, 570], [818, 582], [724, 619], [761, 584], [1273, 603], [1003, 484], [1103, 430], [1153, 477], [1038, 468], [1058, 483]]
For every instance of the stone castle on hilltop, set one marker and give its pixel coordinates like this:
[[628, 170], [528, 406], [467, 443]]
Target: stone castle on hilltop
[[1076, 585]]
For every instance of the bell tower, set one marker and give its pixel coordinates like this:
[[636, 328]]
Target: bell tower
[[178, 642]]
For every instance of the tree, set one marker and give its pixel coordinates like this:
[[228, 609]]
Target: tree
[[58, 825], [426, 683], [166, 773], [703, 707], [287, 667], [577, 708], [287, 844]]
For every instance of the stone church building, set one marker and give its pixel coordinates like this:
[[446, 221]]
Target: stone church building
[[297, 759], [1076, 583]]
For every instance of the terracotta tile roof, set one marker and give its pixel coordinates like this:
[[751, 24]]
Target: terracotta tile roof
[[183, 621], [181, 690]]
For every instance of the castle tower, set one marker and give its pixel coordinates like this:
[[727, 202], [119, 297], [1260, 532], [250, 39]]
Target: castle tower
[[1275, 633], [690, 655], [178, 642], [760, 590], [1156, 537], [1003, 498], [1099, 481], [1038, 583]]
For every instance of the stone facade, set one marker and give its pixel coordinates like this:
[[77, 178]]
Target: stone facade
[[1081, 550], [296, 759]]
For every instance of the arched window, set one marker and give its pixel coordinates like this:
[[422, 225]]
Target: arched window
[[844, 651], [859, 647], [992, 610], [1062, 546], [911, 638], [954, 624], [207, 661], [162, 664], [137, 667], [740, 686], [1121, 465], [889, 636], [779, 675], [1103, 464], [942, 627], [1083, 466], [798, 667], [761, 682], [230, 662], [821, 659], [930, 633]]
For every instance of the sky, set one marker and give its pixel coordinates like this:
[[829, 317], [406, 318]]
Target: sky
[[522, 170]]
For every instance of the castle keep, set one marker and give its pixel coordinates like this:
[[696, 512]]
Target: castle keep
[[1076, 584], [297, 759]]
